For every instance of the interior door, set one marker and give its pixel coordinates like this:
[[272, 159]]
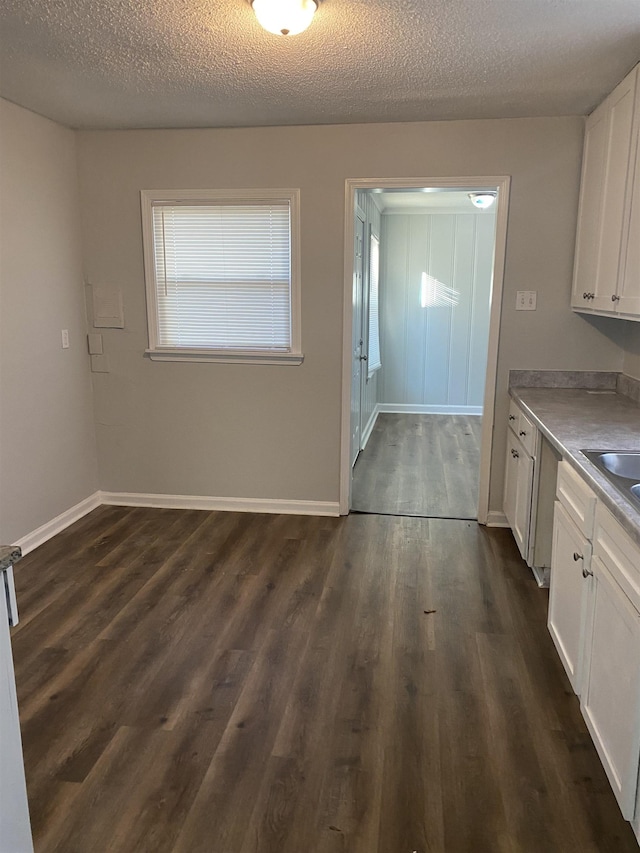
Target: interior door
[[358, 367]]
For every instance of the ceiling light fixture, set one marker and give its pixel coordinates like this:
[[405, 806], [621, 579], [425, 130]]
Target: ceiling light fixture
[[484, 199], [284, 17]]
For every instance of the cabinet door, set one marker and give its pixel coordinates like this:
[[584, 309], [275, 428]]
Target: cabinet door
[[517, 492], [629, 290], [15, 831], [589, 213], [618, 154], [610, 698], [570, 559]]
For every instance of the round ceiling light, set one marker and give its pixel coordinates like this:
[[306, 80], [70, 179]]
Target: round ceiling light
[[284, 17], [483, 200]]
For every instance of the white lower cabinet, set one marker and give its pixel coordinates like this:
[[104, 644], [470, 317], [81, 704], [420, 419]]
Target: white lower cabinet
[[594, 620], [518, 487], [610, 699], [569, 588]]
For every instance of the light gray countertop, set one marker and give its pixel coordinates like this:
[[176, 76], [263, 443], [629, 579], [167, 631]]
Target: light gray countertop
[[577, 419], [9, 554]]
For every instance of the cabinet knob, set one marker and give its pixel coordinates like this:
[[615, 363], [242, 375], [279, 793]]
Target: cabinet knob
[[586, 573], [515, 453], [585, 295], [522, 432], [512, 417], [577, 556], [615, 297]]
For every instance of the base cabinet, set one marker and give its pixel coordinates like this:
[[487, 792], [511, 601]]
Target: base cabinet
[[518, 489], [568, 593], [610, 699]]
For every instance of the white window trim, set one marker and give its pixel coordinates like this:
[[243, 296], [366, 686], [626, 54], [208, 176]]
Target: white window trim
[[248, 196]]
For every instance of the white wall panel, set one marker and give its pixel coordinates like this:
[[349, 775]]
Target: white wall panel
[[435, 355]]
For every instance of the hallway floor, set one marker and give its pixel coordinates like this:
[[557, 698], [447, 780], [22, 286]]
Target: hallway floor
[[424, 465], [202, 682]]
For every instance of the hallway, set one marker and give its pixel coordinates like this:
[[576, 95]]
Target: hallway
[[423, 465]]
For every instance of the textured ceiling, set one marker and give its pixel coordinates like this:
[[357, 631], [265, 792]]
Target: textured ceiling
[[207, 63]]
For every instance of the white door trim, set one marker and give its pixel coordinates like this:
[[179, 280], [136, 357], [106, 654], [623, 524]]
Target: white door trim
[[502, 183]]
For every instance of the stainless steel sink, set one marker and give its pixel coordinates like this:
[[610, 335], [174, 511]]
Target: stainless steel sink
[[621, 468], [624, 464]]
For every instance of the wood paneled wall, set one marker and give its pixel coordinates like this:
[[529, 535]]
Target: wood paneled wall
[[434, 356]]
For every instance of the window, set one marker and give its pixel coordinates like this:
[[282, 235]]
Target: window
[[222, 275], [373, 354]]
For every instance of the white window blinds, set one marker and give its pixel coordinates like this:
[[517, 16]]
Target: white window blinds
[[373, 354], [223, 275]]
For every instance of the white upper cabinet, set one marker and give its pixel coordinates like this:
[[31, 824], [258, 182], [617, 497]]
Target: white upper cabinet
[[589, 213], [629, 289], [606, 262]]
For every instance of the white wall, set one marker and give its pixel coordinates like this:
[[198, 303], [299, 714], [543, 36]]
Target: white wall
[[47, 440], [436, 355], [271, 431], [632, 348]]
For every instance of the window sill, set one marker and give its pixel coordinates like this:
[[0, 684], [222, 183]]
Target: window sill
[[237, 357], [371, 373]]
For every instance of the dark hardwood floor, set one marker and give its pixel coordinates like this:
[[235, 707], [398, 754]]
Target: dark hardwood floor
[[424, 465], [227, 683]]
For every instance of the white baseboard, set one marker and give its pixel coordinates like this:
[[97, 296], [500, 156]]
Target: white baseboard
[[225, 504], [59, 523], [497, 519], [415, 409], [366, 434]]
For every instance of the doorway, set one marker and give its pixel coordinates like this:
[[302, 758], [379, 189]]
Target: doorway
[[422, 348]]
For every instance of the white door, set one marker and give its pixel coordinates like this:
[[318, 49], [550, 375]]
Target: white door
[[358, 371], [15, 830]]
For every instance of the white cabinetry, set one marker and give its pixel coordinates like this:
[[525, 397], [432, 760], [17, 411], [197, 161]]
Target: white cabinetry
[[15, 830], [517, 492], [570, 567], [530, 473], [607, 259], [594, 620], [610, 698]]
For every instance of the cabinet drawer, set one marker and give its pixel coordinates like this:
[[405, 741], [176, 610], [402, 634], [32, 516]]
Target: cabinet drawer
[[514, 416], [577, 498], [618, 553]]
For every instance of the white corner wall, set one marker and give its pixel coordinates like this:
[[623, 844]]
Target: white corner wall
[[48, 461], [274, 432]]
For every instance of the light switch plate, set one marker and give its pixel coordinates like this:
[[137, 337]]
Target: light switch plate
[[526, 300]]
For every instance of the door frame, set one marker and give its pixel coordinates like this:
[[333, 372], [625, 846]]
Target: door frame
[[502, 183]]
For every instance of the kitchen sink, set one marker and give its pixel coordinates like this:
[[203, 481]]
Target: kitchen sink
[[625, 465], [621, 468]]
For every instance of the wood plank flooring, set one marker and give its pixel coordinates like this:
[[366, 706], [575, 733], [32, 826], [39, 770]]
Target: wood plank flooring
[[234, 683], [424, 465]]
